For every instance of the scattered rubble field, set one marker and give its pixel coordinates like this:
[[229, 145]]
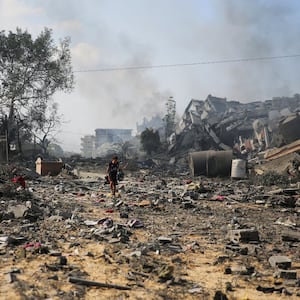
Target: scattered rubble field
[[161, 237]]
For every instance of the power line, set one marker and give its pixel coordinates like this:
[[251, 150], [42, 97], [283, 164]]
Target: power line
[[123, 68]]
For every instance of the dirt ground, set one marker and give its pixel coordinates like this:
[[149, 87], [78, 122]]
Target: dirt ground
[[176, 253]]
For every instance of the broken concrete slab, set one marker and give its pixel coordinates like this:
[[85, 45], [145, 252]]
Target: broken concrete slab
[[18, 210], [290, 236], [243, 235], [280, 261], [286, 274]]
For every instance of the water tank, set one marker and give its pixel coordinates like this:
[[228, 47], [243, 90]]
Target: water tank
[[238, 168]]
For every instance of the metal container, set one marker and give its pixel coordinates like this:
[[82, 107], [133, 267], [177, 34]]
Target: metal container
[[52, 168], [211, 163], [238, 168]]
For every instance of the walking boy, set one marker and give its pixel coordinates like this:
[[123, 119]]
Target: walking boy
[[112, 172]]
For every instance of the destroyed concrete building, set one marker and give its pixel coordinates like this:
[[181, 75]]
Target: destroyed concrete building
[[212, 124], [219, 124]]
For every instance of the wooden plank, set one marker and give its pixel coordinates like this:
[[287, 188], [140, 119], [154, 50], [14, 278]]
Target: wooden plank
[[282, 151], [96, 283]]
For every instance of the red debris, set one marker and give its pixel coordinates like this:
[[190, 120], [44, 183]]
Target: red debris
[[19, 179]]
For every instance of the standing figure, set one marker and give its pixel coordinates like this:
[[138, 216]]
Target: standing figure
[[112, 172]]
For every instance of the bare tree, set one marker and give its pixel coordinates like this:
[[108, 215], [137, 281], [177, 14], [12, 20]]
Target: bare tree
[[150, 141], [45, 126]]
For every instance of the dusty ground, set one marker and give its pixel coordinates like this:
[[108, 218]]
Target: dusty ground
[[191, 265]]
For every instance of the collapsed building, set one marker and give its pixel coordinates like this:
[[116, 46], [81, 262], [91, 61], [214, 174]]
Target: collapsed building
[[219, 124], [241, 130]]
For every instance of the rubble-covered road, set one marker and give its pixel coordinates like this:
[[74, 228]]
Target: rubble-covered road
[[163, 237]]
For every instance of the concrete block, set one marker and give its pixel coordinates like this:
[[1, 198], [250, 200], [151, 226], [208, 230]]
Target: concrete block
[[240, 270], [18, 210], [11, 277], [243, 235], [290, 236], [280, 261], [286, 274]]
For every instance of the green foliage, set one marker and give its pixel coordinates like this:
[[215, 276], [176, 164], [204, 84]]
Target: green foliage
[[150, 141], [31, 71]]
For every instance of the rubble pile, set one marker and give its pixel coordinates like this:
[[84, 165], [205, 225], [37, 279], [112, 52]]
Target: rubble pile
[[248, 128], [161, 237]]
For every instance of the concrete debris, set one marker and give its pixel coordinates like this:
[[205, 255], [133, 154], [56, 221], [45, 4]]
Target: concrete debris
[[243, 235], [282, 262], [217, 137], [286, 274], [219, 124], [158, 238]]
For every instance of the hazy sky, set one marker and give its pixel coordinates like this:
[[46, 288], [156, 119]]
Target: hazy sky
[[120, 33]]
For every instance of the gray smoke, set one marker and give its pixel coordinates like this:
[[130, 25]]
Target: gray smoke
[[257, 28], [175, 31]]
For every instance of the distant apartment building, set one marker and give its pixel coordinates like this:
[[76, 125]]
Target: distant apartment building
[[111, 136], [91, 145], [88, 146]]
